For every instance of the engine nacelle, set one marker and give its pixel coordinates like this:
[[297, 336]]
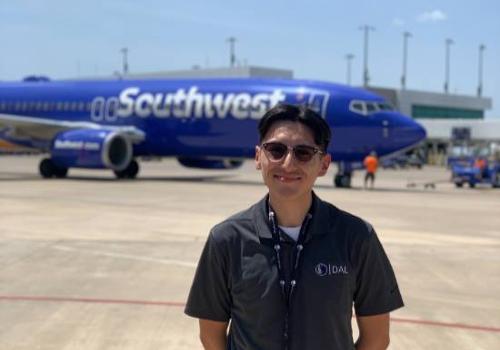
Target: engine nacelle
[[91, 148], [204, 163]]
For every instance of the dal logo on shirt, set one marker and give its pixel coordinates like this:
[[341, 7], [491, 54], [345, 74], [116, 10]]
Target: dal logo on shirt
[[323, 269]]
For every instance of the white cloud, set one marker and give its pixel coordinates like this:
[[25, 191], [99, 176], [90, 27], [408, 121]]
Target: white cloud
[[432, 16], [398, 22]]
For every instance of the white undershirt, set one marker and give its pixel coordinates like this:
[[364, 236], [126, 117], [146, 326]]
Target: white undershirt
[[292, 232]]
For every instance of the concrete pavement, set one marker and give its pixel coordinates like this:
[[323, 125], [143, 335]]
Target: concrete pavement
[[93, 263]]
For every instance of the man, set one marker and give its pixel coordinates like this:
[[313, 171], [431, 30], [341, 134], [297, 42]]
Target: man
[[287, 271], [371, 164]]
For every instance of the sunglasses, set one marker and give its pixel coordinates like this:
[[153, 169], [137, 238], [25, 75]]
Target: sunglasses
[[277, 151]]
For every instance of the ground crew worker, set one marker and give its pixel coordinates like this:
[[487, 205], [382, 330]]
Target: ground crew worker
[[287, 272], [480, 164], [371, 164]]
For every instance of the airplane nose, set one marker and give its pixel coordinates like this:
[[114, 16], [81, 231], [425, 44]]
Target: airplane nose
[[419, 132], [408, 132], [414, 132]]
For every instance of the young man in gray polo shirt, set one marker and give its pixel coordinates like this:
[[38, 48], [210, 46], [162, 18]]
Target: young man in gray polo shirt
[[286, 273]]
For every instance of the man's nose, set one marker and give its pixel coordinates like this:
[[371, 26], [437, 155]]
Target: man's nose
[[289, 161]]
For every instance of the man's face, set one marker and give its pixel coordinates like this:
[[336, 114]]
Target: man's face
[[289, 178]]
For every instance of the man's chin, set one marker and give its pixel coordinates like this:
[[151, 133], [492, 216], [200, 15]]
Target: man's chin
[[287, 193]]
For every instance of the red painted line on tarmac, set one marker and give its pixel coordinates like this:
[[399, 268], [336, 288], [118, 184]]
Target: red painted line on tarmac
[[182, 304], [92, 300]]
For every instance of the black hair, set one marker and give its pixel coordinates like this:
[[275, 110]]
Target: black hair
[[301, 114]]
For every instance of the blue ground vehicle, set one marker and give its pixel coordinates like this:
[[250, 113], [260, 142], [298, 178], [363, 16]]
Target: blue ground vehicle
[[465, 172]]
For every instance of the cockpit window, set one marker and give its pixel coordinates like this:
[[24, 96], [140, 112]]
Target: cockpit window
[[369, 107], [357, 106], [383, 106]]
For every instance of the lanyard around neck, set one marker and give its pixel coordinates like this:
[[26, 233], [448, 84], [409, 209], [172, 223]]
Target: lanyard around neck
[[277, 246]]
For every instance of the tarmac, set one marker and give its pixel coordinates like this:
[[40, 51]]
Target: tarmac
[[89, 262]]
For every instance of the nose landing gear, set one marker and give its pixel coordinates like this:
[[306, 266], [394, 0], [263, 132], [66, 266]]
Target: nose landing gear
[[342, 180], [343, 177]]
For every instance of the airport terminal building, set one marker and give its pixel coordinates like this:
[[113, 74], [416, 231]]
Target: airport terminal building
[[452, 121]]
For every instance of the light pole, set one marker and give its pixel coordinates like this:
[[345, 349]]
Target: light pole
[[448, 43], [124, 52], [366, 74], [480, 84], [232, 57], [406, 35], [349, 58]]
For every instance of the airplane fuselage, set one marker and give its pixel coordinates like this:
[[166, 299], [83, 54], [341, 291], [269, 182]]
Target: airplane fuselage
[[205, 117]]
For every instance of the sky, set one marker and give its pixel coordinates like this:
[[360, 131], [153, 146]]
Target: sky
[[68, 39]]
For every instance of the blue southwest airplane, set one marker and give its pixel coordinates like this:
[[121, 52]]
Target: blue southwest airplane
[[204, 123]]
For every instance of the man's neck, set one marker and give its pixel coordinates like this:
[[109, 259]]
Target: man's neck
[[290, 213]]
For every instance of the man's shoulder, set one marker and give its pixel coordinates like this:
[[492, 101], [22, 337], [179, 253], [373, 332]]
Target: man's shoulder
[[355, 221], [347, 222], [235, 225]]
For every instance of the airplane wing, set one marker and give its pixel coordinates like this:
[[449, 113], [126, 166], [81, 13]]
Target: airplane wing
[[17, 127]]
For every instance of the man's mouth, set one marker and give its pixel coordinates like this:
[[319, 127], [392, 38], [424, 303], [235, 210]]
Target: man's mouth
[[287, 178]]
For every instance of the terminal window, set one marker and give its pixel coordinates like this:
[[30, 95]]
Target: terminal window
[[433, 112]]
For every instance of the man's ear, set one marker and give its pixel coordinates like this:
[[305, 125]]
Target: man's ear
[[325, 163], [257, 158]]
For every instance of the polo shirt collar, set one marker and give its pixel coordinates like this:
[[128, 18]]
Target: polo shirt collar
[[316, 226]]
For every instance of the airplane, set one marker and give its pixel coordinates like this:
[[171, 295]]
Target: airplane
[[204, 123]]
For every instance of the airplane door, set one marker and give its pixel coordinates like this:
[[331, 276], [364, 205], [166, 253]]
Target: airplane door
[[97, 109], [318, 101], [103, 109], [315, 99]]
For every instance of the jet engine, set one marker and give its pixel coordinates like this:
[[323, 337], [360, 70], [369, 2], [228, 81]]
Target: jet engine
[[89, 148]]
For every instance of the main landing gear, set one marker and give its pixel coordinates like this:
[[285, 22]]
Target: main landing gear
[[130, 172], [48, 169]]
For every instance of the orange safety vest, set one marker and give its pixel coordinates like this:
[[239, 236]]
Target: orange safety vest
[[371, 164], [480, 164]]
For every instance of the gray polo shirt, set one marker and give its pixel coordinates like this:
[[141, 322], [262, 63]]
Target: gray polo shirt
[[342, 265]]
